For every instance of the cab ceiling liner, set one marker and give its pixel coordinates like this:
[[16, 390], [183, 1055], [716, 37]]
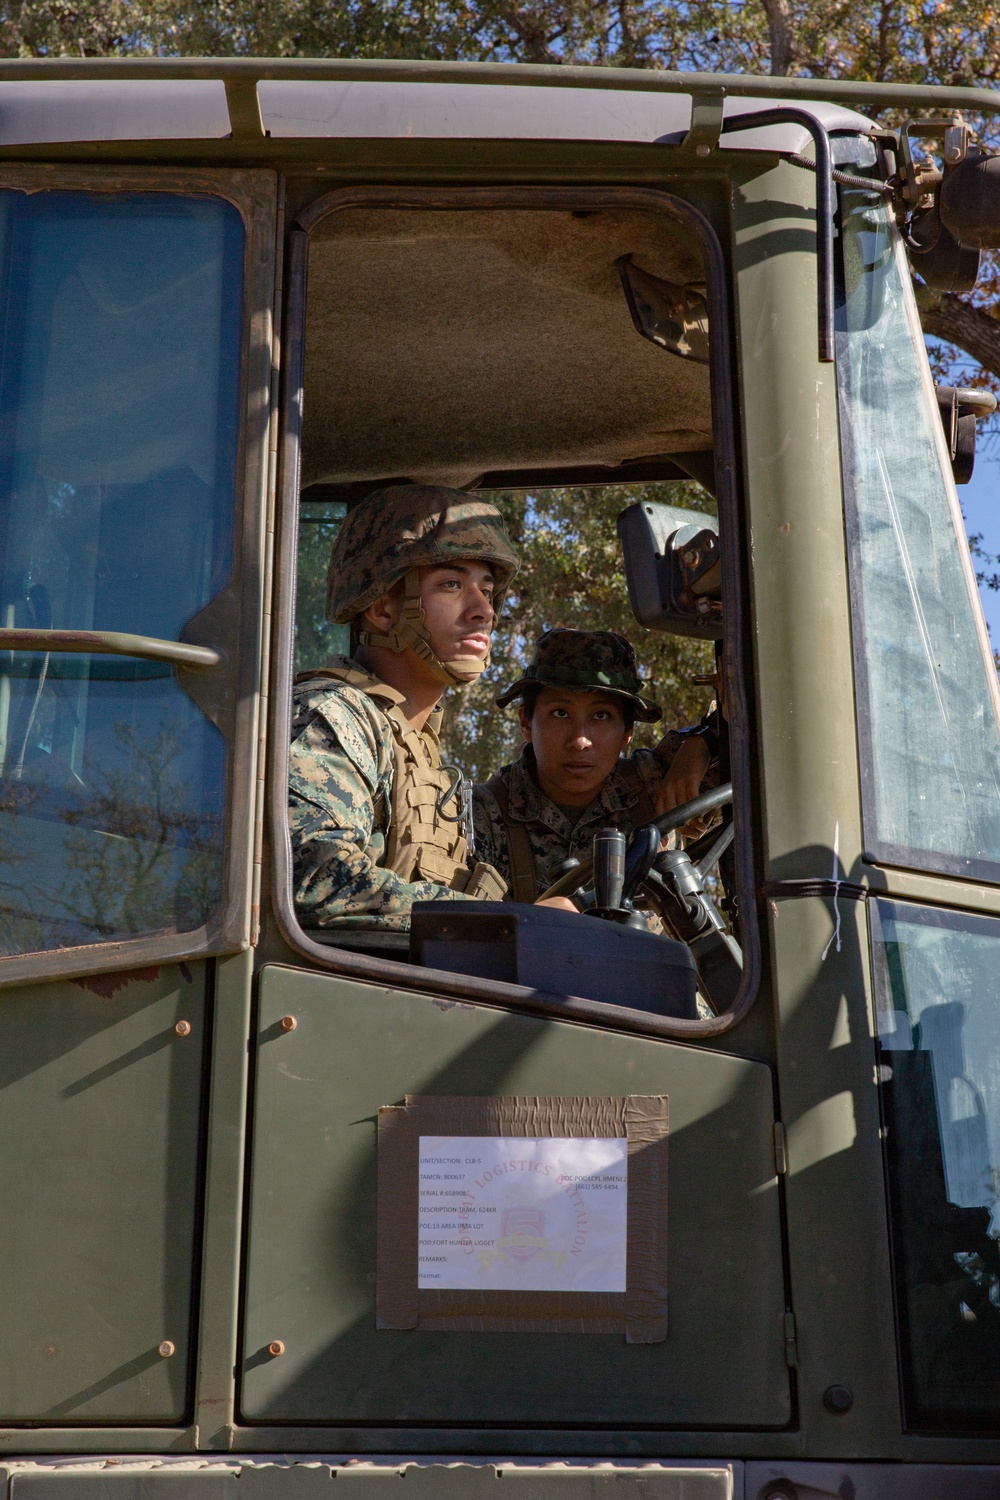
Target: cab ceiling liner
[[512, 345]]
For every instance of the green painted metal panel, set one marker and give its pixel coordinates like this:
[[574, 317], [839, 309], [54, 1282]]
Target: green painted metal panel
[[471, 1481], [99, 1124], [311, 1481], [810, 776], [109, 1484], [258, 1481], [311, 1269]]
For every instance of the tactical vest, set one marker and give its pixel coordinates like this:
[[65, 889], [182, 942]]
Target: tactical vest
[[425, 839]]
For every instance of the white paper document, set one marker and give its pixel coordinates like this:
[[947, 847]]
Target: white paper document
[[507, 1213]]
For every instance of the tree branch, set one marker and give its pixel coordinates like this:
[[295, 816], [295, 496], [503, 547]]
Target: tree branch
[[779, 24], [533, 35], [885, 34], [945, 316]]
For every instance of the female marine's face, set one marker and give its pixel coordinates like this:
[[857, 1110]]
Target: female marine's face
[[577, 737]]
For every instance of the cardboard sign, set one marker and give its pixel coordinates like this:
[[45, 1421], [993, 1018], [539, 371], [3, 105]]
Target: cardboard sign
[[523, 1214]]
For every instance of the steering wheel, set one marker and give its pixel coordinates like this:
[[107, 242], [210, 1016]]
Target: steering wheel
[[673, 883], [644, 845]]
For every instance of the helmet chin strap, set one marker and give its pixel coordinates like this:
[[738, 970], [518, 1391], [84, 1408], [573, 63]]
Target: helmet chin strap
[[410, 634]]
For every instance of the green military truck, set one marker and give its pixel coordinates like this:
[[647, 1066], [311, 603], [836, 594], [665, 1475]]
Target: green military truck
[[238, 295]]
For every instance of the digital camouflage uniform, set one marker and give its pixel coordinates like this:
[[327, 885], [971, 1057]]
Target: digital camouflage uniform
[[341, 773], [626, 802], [580, 659], [373, 817]]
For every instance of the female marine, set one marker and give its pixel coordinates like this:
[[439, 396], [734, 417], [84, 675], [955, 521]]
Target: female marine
[[579, 700]]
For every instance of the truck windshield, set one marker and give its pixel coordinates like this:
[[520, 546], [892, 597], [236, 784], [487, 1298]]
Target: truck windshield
[[927, 684], [119, 386]]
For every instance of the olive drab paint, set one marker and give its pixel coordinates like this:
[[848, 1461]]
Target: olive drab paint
[[195, 1201]]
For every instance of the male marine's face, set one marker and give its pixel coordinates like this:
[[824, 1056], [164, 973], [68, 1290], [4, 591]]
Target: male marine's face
[[457, 600]]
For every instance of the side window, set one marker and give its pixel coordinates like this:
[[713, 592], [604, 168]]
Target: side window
[[119, 412], [551, 369], [936, 977]]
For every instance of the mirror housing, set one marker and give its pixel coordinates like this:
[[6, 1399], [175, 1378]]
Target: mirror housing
[[936, 255], [959, 410], [674, 317], [673, 569], [969, 201]]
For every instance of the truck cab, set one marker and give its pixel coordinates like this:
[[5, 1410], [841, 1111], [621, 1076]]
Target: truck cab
[[237, 299]]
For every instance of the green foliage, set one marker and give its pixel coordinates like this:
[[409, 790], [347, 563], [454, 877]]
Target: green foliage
[[914, 41], [572, 574], [315, 638]]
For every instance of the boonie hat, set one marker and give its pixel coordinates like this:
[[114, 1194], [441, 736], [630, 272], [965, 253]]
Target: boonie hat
[[594, 660]]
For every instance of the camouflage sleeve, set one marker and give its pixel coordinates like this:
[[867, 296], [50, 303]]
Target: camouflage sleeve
[[340, 771], [654, 764], [491, 835], [661, 757]]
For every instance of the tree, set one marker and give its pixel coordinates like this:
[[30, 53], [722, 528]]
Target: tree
[[969, 324], [912, 43]]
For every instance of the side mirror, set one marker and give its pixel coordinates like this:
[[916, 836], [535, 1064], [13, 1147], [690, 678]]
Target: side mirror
[[673, 570], [675, 317], [954, 214], [959, 411], [936, 255], [969, 201]]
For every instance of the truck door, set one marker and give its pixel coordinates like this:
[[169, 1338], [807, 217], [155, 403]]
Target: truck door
[[478, 299], [134, 344]]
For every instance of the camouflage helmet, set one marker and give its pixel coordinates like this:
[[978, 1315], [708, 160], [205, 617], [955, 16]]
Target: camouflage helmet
[[392, 534], [596, 660], [405, 526]]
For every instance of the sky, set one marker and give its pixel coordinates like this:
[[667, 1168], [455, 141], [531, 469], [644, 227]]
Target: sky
[[980, 500]]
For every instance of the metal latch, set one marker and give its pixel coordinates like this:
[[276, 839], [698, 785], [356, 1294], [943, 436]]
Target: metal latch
[[791, 1346], [780, 1150]]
